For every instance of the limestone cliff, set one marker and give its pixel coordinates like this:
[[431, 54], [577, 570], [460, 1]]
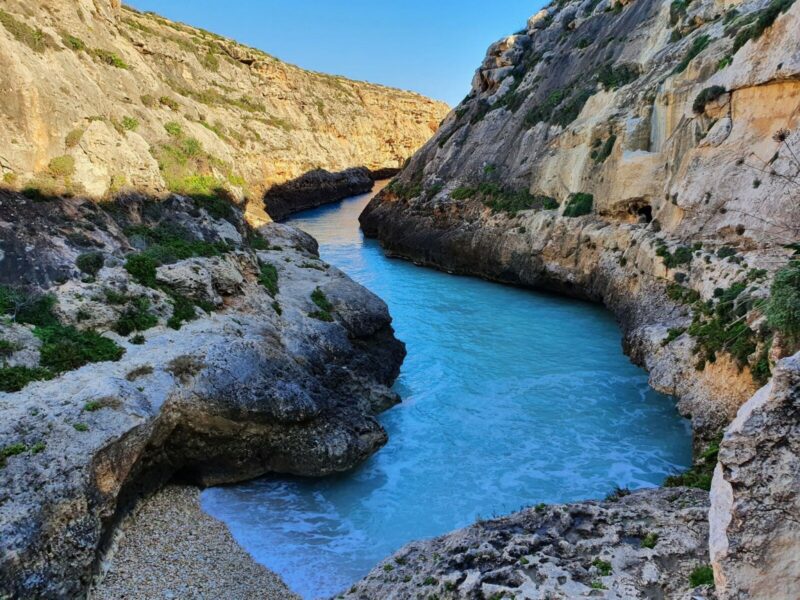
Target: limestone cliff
[[97, 98], [144, 340], [641, 154]]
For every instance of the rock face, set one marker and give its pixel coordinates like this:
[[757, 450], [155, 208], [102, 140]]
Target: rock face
[[755, 515], [92, 85], [645, 545], [315, 189], [609, 152], [279, 366]]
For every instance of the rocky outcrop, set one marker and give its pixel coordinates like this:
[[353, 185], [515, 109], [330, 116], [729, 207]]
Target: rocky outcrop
[[315, 189], [645, 545], [755, 515], [227, 353], [98, 99]]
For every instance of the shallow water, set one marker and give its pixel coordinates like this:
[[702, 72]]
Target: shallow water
[[511, 398]]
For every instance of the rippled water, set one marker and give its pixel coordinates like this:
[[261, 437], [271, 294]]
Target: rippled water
[[511, 398]]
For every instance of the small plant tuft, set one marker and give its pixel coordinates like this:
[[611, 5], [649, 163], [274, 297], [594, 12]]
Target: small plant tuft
[[703, 575], [578, 205]]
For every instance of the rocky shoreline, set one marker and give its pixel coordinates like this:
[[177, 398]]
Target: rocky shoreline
[[170, 341]]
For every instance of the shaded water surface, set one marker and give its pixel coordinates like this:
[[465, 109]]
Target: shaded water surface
[[511, 398]]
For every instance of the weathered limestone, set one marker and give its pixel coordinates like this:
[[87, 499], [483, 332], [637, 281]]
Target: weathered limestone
[[257, 385], [755, 511], [644, 545]]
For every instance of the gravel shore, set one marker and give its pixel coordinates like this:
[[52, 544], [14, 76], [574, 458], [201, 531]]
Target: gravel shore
[[169, 548]]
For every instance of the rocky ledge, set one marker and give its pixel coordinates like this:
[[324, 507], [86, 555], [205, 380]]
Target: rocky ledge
[[314, 189], [649, 544], [162, 340]]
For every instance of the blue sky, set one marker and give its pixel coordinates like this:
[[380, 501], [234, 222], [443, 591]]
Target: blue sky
[[429, 46]]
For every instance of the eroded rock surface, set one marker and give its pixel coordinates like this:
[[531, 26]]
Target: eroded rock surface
[[645, 545], [755, 513], [260, 379]]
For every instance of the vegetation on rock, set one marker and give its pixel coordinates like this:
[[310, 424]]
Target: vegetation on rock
[[578, 205]]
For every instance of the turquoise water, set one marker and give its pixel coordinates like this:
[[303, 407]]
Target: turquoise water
[[511, 398]]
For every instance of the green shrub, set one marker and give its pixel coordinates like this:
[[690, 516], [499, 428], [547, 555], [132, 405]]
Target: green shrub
[[90, 262], [66, 348], [148, 100], [169, 102], [108, 57], [72, 42], [700, 43], [463, 193], [603, 567], [30, 307], [673, 334], [74, 138], [7, 348], [701, 473], [677, 10], [269, 279], [62, 166], [726, 252], [682, 256], [766, 17], [720, 327], [561, 107], [36, 39], [615, 77], [406, 191], [12, 450], [142, 267], [707, 95], [701, 576], [136, 317], [606, 150], [783, 307], [13, 379], [183, 310], [82, 427], [215, 204], [650, 540], [319, 298], [173, 128], [166, 245], [578, 205], [684, 295], [130, 124]]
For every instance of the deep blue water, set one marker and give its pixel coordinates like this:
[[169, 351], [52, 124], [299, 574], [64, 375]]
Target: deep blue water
[[511, 398]]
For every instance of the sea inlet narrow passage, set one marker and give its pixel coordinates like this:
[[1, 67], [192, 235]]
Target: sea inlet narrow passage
[[510, 398]]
